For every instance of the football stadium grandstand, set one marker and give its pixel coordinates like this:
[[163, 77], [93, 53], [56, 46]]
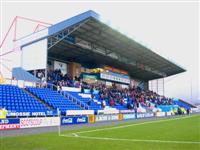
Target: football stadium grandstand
[[81, 70]]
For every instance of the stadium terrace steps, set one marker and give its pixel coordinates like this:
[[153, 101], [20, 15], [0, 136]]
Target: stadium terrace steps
[[54, 99], [74, 99], [20, 74], [16, 100], [40, 100], [81, 96]]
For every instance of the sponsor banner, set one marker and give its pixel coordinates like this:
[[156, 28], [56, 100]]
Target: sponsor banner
[[79, 112], [28, 114], [101, 118], [120, 116], [113, 117], [71, 89], [84, 95], [20, 114], [140, 115], [129, 116], [107, 117], [146, 115], [160, 114], [91, 118], [168, 113], [7, 124], [74, 120], [127, 111], [39, 122], [115, 77], [108, 111]]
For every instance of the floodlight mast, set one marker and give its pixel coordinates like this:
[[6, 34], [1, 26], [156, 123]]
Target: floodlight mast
[[14, 25]]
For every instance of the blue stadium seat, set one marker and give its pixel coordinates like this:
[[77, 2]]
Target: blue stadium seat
[[15, 99], [54, 99], [93, 105]]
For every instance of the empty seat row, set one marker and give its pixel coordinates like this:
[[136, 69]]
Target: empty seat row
[[53, 99]]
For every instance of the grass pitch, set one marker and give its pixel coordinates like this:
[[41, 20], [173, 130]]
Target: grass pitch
[[182, 133]]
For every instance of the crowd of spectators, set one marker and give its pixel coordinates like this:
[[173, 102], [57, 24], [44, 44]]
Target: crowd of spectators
[[56, 77], [113, 95], [134, 96]]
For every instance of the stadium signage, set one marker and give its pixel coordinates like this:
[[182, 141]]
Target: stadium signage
[[160, 114], [79, 112], [15, 114], [113, 77], [74, 120], [39, 122], [38, 113], [108, 111], [67, 120], [107, 117], [71, 89], [168, 113], [144, 115], [101, 118], [127, 111], [140, 115], [22, 114], [81, 120], [7, 124], [128, 116]]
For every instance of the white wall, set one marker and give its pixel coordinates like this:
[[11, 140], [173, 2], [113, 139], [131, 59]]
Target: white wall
[[34, 56]]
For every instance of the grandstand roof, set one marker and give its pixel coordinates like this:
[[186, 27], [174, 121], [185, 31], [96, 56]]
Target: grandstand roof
[[85, 38]]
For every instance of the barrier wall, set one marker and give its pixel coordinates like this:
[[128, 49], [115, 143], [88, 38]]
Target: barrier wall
[[129, 116], [74, 120], [91, 118], [8, 124], [99, 118], [32, 114], [79, 112], [160, 114], [39, 122]]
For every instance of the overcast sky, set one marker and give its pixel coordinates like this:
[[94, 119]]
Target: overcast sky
[[168, 28]]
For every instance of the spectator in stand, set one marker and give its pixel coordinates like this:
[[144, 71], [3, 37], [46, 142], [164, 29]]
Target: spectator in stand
[[130, 97]]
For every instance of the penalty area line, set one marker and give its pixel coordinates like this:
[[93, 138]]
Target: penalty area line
[[130, 140]]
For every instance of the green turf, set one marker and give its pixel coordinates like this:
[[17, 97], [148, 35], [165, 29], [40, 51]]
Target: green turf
[[187, 129]]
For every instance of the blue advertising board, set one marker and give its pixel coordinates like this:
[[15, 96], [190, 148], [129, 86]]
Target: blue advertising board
[[6, 124], [9, 121], [129, 116], [144, 115], [28, 114], [74, 120]]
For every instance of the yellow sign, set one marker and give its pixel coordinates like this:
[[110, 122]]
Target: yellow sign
[[3, 113], [120, 117], [91, 118]]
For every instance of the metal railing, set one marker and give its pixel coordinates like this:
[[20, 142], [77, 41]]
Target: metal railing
[[75, 100]]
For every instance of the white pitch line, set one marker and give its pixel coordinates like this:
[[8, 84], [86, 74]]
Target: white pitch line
[[133, 140], [129, 125]]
